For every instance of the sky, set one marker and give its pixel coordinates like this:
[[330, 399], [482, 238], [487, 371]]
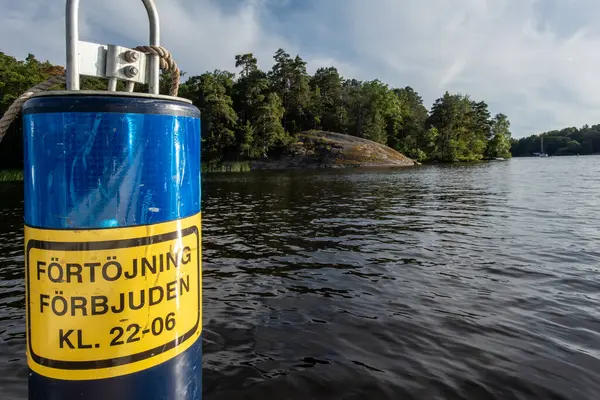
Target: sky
[[537, 61]]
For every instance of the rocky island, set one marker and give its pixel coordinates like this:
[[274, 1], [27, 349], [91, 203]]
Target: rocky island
[[320, 149]]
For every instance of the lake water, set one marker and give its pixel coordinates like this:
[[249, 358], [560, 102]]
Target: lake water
[[434, 282]]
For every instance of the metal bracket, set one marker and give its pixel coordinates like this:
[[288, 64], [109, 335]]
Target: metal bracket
[[111, 61]]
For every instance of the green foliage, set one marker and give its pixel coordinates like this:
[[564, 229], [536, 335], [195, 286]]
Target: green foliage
[[407, 132], [257, 114], [242, 166], [568, 141], [499, 145], [247, 62], [328, 104], [372, 110], [15, 78], [289, 80], [461, 126], [269, 131], [210, 92], [18, 76], [11, 175]]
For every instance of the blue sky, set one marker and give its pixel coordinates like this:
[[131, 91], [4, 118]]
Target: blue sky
[[538, 61]]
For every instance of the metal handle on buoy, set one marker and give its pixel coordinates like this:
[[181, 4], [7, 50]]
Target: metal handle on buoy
[[110, 61]]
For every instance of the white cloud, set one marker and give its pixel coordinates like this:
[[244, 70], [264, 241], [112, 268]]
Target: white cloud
[[496, 51], [31, 27], [534, 60], [199, 34]]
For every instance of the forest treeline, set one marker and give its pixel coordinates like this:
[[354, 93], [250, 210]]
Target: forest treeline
[[253, 113], [564, 142]]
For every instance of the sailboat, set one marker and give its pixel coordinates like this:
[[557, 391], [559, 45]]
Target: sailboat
[[542, 154]]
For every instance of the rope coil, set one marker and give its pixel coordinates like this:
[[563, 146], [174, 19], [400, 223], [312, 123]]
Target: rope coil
[[167, 64]]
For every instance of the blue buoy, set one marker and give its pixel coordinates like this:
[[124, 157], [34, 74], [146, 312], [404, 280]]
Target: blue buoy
[[113, 246]]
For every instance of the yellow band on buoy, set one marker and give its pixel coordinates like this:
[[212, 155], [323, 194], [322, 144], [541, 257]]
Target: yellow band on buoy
[[108, 302]]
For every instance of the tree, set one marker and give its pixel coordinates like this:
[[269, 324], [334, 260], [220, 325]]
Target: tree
[[269, 131], [210, 93], [246, 137], [371, 107], [289, 81], [410, 137], [482, 123], [315, 108], [331, 108], [247, 62], [456, 120], [499, 145], [251, 89], [445, 117]]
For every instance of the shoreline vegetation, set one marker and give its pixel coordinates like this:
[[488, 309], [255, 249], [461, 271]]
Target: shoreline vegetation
[[10, 175], [256, 116], [565, 142], [254, 119]]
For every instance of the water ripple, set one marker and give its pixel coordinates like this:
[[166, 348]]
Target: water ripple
[[444, 282]]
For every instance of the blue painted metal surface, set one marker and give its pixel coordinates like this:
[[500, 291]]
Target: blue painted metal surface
[[91, 166], [106, 161]]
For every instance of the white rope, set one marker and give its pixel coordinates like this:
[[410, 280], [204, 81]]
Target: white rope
[[15, 108]]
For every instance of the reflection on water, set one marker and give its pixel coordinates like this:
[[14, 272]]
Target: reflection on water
[[440, 282]]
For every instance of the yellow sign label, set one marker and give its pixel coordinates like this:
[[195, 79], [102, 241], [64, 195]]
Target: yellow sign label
[[109, 302]]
